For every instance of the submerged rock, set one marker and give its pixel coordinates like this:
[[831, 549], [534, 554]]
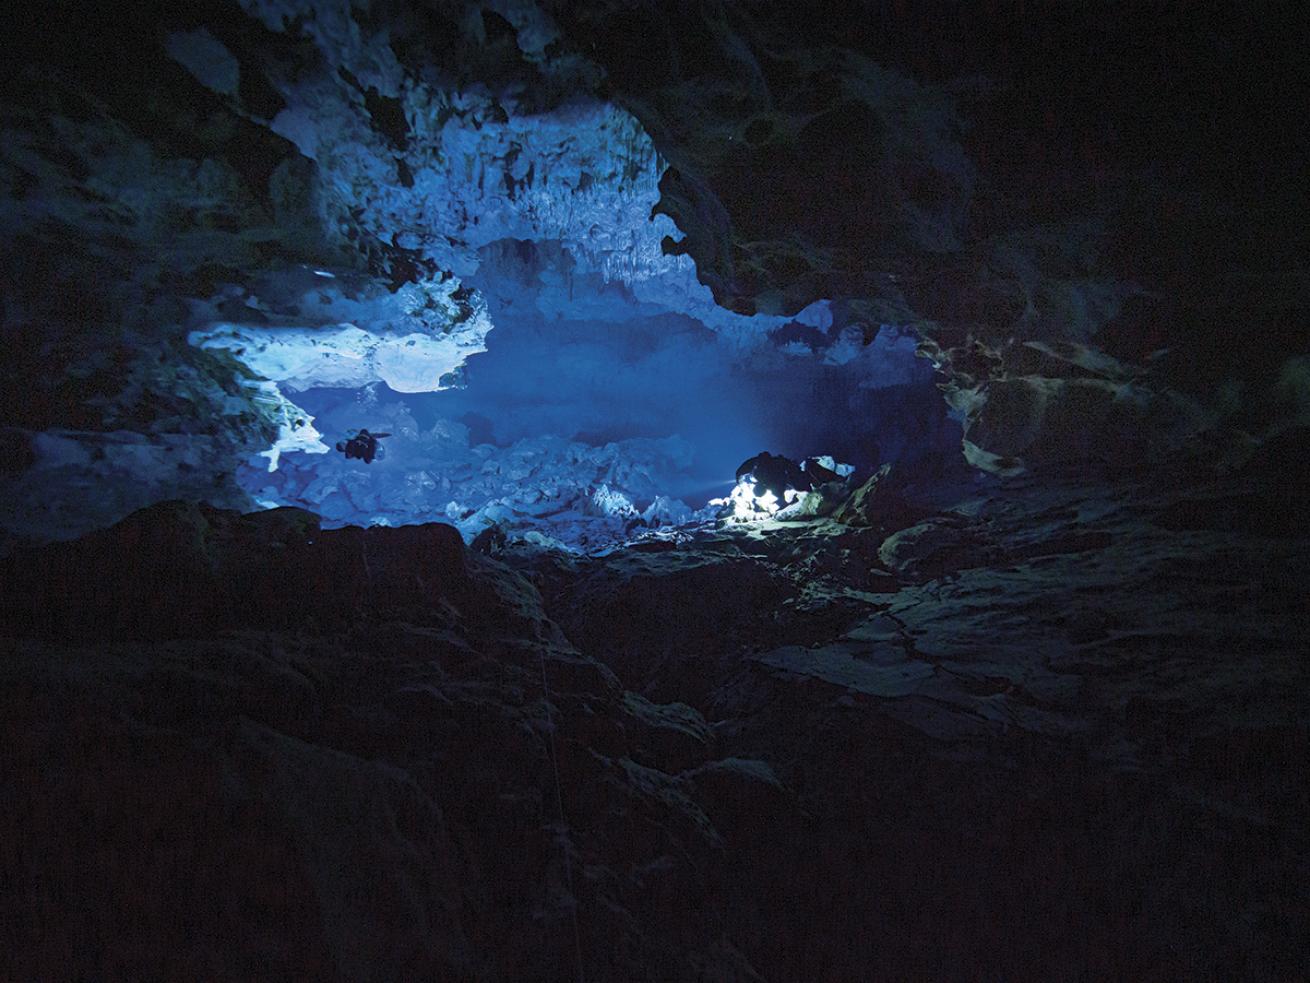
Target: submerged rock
[[414, 759]]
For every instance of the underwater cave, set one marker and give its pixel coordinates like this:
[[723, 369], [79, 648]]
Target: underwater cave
[[624, 490]]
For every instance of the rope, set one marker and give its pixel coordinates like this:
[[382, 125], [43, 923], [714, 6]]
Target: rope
[[559, 804], [363, 552]]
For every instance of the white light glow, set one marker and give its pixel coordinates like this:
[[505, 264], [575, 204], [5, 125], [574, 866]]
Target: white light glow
[[750, 506], [344, 355], [295, 431]]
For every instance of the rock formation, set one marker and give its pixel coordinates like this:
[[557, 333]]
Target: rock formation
[[1025, 697]]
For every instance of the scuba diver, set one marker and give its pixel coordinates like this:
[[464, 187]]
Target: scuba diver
[[818, 473], [362, 444], [774, 473]]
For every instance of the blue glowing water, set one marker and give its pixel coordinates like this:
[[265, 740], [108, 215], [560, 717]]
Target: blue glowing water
[[547, 365]]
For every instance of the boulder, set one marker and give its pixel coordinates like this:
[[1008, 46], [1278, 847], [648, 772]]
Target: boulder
[[178, 569], [937, 546], [882, 502]]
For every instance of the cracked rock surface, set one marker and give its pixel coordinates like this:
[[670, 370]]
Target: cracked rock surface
[[810, 750]]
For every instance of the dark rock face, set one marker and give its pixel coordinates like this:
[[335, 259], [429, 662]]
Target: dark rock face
[[997, 178], [999, 740], [265, 750], [878, 502], [270, 570]]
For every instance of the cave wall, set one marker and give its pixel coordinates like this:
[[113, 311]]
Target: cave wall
[[1111, 179], [1091, 219]]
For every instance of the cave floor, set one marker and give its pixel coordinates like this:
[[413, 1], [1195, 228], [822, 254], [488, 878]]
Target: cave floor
[[1055, 734]]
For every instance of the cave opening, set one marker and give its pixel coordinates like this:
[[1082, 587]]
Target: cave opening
[[560, 400]]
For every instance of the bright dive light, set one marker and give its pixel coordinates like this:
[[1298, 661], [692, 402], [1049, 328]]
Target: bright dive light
[[748, 506]]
